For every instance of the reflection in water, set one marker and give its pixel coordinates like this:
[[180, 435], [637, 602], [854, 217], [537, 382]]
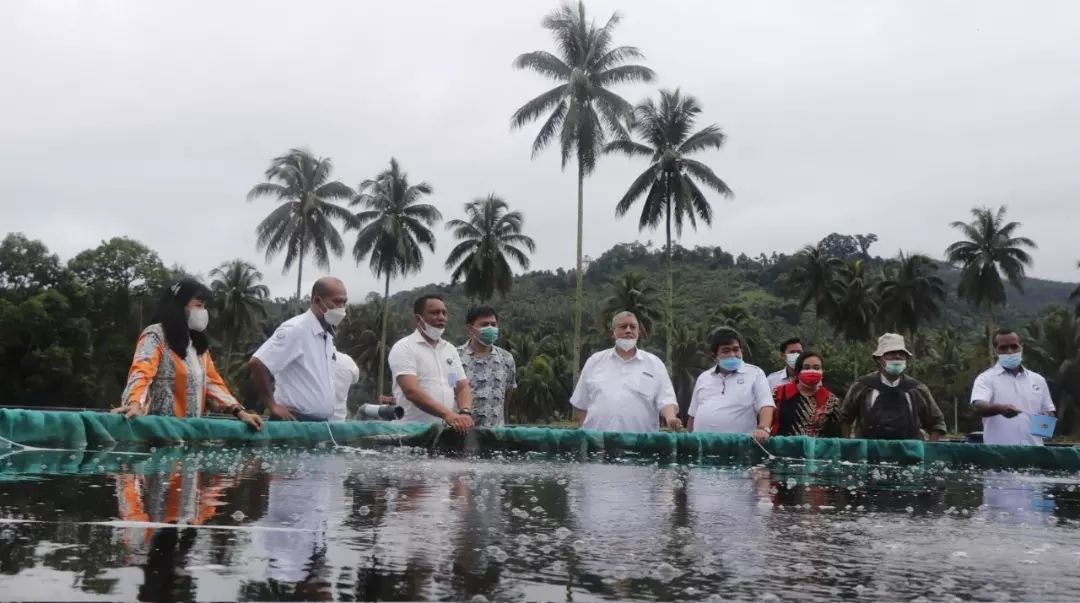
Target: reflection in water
[[276, 524]]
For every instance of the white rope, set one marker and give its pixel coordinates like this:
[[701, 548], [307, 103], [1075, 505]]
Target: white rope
[[28, 448]]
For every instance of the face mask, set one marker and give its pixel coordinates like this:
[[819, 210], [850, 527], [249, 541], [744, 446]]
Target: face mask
[[432, 333], [810, 377], [197, 319], [895, 367], [626, 344], [791, 359], [730, 364], [1010, 361], [334, 316], [487, 335]]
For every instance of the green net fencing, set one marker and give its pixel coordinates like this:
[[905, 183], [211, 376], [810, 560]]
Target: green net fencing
[[91, 431]]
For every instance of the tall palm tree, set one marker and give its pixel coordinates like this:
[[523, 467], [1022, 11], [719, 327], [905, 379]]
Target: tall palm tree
[[392, 229], [239, 292], [631, 292], [490, 234], [304, 222], [668, 184], [857, 304], [912, 294], [582, 110], [990, 248], [815, 276]]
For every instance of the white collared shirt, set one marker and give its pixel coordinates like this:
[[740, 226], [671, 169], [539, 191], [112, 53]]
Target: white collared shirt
[[777, 379], [730, 403], [437, 367], [1026, 390], [301, 357], [623, 395], [346, 375]]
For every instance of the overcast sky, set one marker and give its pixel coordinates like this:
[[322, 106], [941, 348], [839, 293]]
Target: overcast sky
[[152, 120]]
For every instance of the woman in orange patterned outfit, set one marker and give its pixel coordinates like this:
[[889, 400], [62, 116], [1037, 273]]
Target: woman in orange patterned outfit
[[172, 373]]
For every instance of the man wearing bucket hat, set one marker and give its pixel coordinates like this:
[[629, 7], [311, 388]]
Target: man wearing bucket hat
[[888, 404]]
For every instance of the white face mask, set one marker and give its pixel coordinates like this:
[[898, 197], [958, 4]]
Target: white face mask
[[626, 344], [791, 359], [197, 319], [334, 316], [432, 333]]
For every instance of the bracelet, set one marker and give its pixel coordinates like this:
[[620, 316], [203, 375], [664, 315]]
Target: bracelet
[[236, 410]]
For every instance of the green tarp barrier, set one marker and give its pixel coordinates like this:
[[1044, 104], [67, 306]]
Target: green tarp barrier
[[93, 430]]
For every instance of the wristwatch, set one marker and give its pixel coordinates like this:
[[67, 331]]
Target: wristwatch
[[236, 410], [466, 411]]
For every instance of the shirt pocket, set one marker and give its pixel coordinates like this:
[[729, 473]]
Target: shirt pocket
[[645, 386]]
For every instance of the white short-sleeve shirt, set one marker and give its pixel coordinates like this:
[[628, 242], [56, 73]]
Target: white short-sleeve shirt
[[346, 375], [1026, 390], [777, 379], [437, 367], [730, 403], [301, 357], [623, 395]]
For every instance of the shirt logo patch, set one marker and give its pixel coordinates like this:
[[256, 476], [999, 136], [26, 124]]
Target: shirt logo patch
[[1035, 386], [740, 381]]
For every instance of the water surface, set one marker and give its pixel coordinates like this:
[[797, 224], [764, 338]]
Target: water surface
[[399, 524]]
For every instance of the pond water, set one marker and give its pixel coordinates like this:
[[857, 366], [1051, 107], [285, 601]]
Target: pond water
[[399, 524]]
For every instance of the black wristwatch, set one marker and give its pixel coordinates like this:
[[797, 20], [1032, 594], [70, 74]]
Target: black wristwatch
[[236, 410]]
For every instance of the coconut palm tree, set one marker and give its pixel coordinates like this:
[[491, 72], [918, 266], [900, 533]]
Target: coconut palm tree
[[912, 294], [304, 223], [815, 276], [632, 292], [582, 111], [393, 228], [669, 184], [857, 303], [240, 294], [488, 236], [990, 248]]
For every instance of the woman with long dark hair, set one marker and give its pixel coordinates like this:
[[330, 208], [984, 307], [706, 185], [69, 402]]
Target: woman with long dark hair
[[172, 373], [806, 406]]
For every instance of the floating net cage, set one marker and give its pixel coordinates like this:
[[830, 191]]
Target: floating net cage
[[94, 439]]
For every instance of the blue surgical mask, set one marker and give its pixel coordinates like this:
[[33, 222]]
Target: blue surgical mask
[[730, 364], [1010, 361], [895, 367], [487, 335]]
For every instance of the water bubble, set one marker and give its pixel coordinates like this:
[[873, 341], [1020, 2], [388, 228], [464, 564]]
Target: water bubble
[[523, 540], [238, 515], [665, 572], [537, 510], [562, 533], [364, 510], [579, 545]]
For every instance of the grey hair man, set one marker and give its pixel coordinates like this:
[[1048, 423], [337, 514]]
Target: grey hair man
[[624, 388]]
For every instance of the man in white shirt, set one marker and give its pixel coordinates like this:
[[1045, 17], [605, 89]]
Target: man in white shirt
[[1007, 395], [293, 371], [429, 380], [624, 388], [734, 397], [790, 351], [346, 375]]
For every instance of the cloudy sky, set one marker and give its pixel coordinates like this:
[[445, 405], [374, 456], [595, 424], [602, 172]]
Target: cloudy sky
[[153, 120]]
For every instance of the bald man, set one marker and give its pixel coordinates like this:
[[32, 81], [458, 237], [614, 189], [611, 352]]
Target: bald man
[[301, 358]]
